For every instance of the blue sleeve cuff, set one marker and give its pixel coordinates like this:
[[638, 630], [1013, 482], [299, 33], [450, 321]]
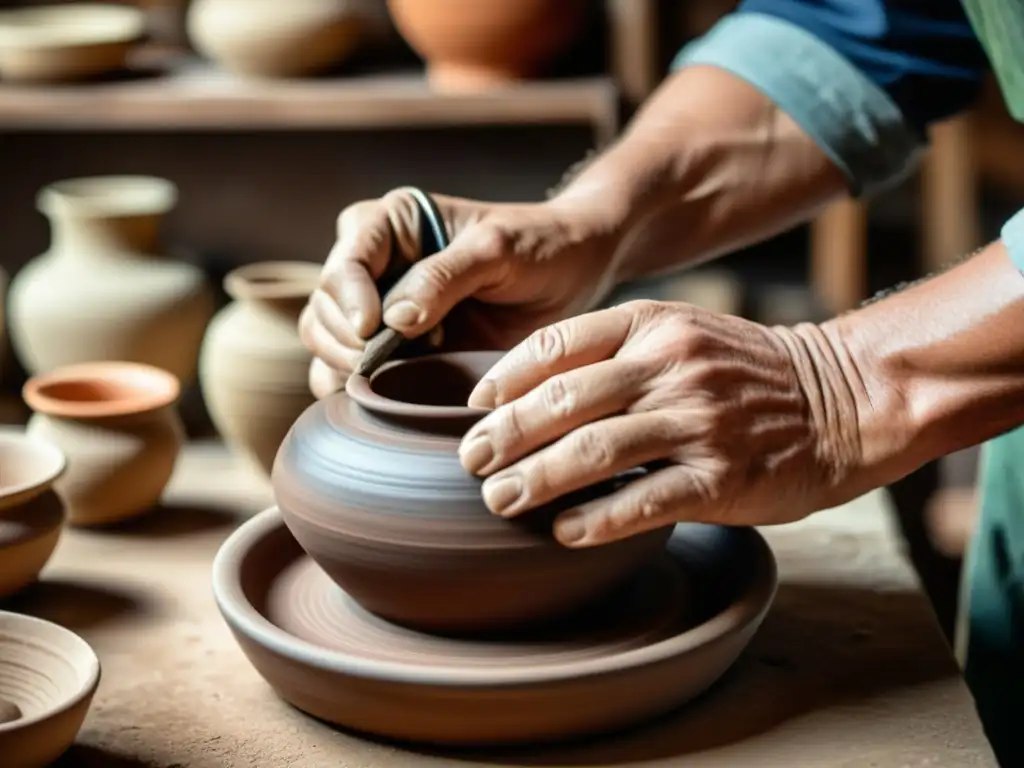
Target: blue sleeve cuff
[[1012, 236], [854, 121]]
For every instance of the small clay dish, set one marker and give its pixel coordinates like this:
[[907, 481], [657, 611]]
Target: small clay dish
[[31, 514], [48, 676], [656, 642], [67, 42], [370, 484]]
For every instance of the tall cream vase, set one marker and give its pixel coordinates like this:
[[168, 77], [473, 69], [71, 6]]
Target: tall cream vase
[[104, 290], [253, 369]]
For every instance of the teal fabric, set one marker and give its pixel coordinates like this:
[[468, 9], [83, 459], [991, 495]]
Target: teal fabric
[[993, 605], [999, 25]]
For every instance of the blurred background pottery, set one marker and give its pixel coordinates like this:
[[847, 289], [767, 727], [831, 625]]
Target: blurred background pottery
[[470, 45], [48, 676], [104, 290], [67, 42], [253, 369], [270, 38], [31, 514], [369, 483], [118, 426], [3, 320]]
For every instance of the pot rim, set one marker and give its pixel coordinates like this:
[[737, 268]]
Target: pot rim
[[138, 388], [48, 464], [108, 196], [267, 280], [70, 26], [360, 388], [21, 625], [746, 610]]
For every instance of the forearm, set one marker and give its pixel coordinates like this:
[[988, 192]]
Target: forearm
[[937, 367], [709, 165]]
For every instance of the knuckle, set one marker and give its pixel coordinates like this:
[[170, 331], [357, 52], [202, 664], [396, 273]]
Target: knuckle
[[593, 449], [548, 345], [352, 214], [559, 397], [491, 239], [509, 427]]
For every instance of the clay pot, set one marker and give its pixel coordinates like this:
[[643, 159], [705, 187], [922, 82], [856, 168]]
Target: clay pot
[[118, 426], [3, 320], [103, 291], [471, 45], [68, 42], [270, 38], [369, 483], [48, 676], [253, 369], [31, 514]]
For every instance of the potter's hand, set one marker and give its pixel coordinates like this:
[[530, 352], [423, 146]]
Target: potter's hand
[[524, 266], [745, 424]]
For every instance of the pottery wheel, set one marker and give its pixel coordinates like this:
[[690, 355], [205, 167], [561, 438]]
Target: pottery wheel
[[659, 641], [306, 603]]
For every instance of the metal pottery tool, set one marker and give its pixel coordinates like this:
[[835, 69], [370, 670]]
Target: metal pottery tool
[[433, 239]]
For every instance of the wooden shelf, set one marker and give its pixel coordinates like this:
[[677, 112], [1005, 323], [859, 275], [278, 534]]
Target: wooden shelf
[[194, 95]]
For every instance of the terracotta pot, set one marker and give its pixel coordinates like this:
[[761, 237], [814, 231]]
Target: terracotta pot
[[469, 44], [104, 291], [253, 369], [31, 514], [119, 428], [48, 676], [270, 38], [370, 484]]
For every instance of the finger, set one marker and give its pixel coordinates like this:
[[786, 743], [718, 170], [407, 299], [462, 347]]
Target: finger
[[324, 380], [331, 316], [324, 346], [658, 499], [568, 344], [588, 455], [547, 412], [432, 287]]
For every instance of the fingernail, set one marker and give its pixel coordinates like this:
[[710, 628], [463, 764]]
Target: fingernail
[[484, 395], [570, 528], [404, 314], [476, 454], [502, 492]]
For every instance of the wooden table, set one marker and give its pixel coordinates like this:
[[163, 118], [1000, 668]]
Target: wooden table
[[849, 669]]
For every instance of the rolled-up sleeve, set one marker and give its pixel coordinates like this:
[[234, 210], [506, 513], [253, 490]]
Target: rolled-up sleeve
[[864, 78]]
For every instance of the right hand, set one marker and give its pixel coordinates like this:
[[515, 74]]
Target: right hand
[[509, 270]]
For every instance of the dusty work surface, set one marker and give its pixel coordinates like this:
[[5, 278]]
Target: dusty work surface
[[849, 669]]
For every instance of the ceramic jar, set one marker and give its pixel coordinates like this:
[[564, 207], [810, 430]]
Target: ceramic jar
[[31, 513], [271, 38], [118, 426], [470, 45], [253, 369], [104, 290], [369, 483], [3, 320]]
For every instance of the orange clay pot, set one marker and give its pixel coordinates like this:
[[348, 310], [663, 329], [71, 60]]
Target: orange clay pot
[[471, 45], [117, 424]]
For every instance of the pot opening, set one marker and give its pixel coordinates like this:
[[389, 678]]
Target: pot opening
[[434, 386], [26, 465], [95, 390], [273, 280], [109, 196]]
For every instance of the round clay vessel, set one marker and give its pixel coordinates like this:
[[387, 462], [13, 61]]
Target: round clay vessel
[[68, 42], [119, 428], [370, 484], [31, 514], [270, 38], [645, 650], [49, 674], [253, 368], [104, 290], [471, 45], [3, 320]]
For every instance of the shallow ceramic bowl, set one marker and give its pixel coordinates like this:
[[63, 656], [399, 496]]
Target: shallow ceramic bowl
[[67, 42], [370, 484], [31, 514], [50, 674]]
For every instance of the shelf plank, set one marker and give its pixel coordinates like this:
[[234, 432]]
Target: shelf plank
[[198, 96]]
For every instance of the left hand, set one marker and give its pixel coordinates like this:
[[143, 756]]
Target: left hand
[[750, 425]]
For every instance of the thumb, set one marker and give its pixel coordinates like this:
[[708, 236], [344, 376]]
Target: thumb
[[432, 287]]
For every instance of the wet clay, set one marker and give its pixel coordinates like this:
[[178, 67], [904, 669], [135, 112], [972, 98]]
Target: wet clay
[[369, 483], [9, 712]]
